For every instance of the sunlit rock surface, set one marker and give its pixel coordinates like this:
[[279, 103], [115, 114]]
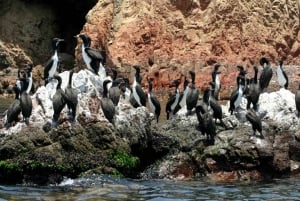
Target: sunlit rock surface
[[237, 154]]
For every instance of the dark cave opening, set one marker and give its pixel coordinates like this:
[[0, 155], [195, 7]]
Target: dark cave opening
[[69, 20]]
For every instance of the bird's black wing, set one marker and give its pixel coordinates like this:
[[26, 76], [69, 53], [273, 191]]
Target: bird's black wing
[[287, 80], [96, 54], [48, 65], [170, 102], [141, 94], [156, 104]]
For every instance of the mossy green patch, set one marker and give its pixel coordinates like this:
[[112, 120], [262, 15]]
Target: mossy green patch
[[125, 161]]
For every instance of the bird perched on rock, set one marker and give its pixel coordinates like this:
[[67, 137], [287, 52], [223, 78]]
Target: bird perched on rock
[[182, 96], [206, 124], [58, 101], [281, 76], [71, 97], [91, 56], [242, 79], [255, 121], [216, 81], [153, 101], [254, 91], [266, 74], [137, 91], [107, 105], [52, 64], [236, 97], [193, 94], [25, 98], [173, 99]]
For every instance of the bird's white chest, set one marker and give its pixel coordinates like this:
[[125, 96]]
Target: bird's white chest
[[152, 107], [217, 82], [176, 100], [54, 65], [102, 71], [127, 94], [135, 94], [183, 100], [87, 60], [239, 97], [280, 77]]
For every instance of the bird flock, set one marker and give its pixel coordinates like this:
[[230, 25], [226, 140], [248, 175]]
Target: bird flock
[[207, 108]]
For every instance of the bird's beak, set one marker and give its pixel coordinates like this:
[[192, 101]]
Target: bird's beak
[[76, 36]]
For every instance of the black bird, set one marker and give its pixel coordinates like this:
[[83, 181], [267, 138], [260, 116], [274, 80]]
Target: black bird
[[216, 80], [107, 105], [266, 74], [182, 97], [173, 99], [125, 89], [255, 121], [137, 91], [52, 64], [71, 97], [242, 79], [58, 101], [281, 76], [14, 109], [216, 108], [192, 95], [297, 101], [114, 91], [25, 98], [254, 91], [206, 124], [92, 57], [153, 101], [236, 97]]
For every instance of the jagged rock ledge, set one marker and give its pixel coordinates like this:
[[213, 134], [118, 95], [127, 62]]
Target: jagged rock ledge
[[137, 147]]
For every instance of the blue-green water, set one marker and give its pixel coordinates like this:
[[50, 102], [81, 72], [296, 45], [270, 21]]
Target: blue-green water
[[108, 189]]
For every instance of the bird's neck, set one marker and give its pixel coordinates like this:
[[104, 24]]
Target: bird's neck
[[29, 83]]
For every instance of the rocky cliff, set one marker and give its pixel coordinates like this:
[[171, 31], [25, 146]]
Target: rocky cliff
[[166, 38]]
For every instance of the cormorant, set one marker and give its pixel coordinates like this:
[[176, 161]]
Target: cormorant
[[242, 79], [25, 98], [52, 64], [153, 101], [255, 121], [92, 57], [216, 108], [254, 91], [71, 97], [192, 95], [266, 74], [236, 97], [182, 97], [281, 76], [173, 99], [206, 124], [58, 101], [216, 80], [125, 89], [137, 91], [107, 105], [114, 92]]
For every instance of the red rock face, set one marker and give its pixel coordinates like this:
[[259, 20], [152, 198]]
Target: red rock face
[[168, 38]]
